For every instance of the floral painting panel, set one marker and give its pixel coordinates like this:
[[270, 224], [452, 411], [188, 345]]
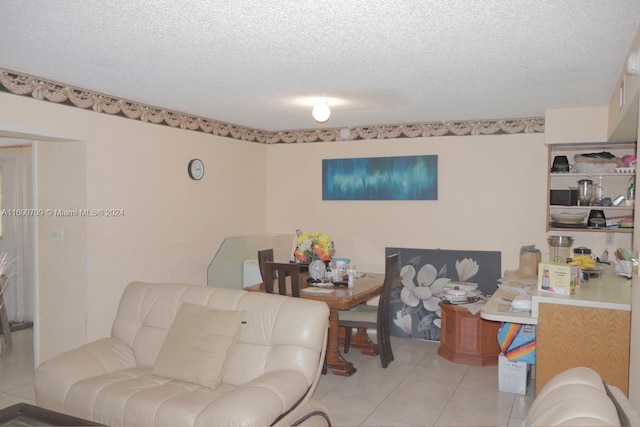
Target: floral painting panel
[[381, 178], [414, 310]]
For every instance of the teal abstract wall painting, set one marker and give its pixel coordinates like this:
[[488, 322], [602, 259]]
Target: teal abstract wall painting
[[381, 178]]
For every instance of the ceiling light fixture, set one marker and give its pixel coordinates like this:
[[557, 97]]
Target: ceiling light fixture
[[633, 63], [321, 112]]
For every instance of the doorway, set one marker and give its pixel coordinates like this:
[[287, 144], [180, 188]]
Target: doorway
[[16, 233]]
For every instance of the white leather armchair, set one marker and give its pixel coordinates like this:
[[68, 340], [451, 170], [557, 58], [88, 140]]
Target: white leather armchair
[[271, 371], [579, 397]]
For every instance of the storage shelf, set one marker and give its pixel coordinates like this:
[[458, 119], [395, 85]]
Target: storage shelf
[[580, 175], [615, 184], [586, 208], [591, 230]]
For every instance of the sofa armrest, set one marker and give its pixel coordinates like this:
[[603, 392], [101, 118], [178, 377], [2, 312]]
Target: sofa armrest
[[310, 414], [577, 397], [629, 416], [258, 402], [54, 377]]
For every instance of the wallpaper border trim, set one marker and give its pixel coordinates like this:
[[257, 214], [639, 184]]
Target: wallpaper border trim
[[46, 90]]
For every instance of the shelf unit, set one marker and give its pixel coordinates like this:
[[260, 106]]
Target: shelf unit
[[613, 183]]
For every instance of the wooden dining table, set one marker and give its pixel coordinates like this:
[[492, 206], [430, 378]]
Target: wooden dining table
[[367, 286]]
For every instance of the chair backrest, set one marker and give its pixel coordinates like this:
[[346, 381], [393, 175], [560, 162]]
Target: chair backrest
[[280, 271], [391, 277], [264, 256]]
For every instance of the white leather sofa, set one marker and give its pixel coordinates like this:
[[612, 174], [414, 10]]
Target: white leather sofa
[[267, 375], [579, 397]]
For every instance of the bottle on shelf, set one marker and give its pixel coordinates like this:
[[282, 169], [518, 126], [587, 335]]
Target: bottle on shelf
[[631, 193], [598, 194]]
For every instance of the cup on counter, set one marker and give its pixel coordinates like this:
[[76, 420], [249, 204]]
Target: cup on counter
[[339, 269], [351, 275], [341, 263]]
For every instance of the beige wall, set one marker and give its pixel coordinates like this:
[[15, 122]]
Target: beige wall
[[62, 292], [491, 197], [576, 125], [172, 226]]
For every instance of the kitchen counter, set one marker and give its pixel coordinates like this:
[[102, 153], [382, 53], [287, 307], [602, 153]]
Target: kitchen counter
[[610, 291], [499, 310], [589, 328]]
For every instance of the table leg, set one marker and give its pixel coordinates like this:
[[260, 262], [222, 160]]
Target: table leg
[[362, 342], [335, 361]]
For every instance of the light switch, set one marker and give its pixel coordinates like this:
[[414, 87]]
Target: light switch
[[609, 238], [56, 234]]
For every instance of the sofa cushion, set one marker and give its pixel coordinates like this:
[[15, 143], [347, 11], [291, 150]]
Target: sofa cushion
[[198, 344]]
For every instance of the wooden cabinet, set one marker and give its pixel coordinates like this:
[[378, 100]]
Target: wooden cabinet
[[467, 338], [569, 336], [614, 182]]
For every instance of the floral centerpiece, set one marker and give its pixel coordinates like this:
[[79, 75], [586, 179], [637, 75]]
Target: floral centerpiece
[[309, 244]]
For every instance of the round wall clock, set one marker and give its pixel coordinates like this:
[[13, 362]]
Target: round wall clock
[[196, 169]]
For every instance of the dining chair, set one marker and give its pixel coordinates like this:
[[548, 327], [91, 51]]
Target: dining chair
[[277, 271], [280, 271], [264, 256], [368, 316]]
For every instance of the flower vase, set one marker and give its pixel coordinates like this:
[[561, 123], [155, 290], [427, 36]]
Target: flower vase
[[317, 269]]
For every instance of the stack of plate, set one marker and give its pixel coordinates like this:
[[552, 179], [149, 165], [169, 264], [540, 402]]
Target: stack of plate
[[569, 219], [456, 295]]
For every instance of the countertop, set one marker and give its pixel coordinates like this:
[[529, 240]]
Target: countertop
[[610, 291]]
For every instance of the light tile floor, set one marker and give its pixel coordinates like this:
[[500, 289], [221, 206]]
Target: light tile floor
[[16, 370], [419, 388]]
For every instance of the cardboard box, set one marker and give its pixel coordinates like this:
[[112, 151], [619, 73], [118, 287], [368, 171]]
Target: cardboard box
[[529, 263], [517, 342], [512, 376], [558, 278]]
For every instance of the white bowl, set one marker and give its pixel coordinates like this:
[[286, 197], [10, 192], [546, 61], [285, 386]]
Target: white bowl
[[569, 215], [568, 218], [456, 295]]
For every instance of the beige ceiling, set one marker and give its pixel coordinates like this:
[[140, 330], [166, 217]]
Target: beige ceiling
[[258, 63]]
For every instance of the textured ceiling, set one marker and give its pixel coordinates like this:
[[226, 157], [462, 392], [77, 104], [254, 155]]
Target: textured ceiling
[[258, 63]]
